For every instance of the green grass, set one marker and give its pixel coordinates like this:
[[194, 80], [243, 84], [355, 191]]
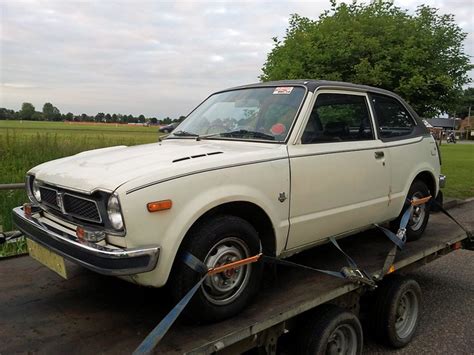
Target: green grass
[[458, 166], [24, 145]]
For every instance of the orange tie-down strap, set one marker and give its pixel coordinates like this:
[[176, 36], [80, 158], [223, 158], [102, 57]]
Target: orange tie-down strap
[[233, 265], [420, 201]]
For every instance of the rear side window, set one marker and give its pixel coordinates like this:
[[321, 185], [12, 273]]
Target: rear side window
[[338, 118], [392, 117]]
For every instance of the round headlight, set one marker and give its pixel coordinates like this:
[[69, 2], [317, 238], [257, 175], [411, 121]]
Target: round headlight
[[36, 191], [113, 211]]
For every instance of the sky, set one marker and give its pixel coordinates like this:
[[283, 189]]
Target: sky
[[148, 57]]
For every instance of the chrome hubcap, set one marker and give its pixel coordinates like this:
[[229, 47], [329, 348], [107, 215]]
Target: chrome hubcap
[[342, 341], [225, 287], [406, 315], [418, 214]]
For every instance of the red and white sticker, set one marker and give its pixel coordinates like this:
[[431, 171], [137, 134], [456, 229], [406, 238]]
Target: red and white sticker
[[283, 90]]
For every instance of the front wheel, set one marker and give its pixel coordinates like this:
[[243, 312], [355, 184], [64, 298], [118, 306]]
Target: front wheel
[[217, 241], [420, 215]]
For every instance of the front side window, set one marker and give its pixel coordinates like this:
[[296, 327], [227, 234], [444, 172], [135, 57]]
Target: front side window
[[338, 118], [264, 113], [392, 117]]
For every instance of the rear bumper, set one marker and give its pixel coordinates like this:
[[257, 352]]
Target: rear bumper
[[101, 259], [442, 181]]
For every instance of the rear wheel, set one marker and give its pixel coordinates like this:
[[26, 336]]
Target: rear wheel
[[394, 316], [217, 241], [330, 330], [420, 215]]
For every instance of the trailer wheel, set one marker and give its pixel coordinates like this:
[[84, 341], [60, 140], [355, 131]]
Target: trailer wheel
[[330, 330], [395, 314], [217, 241]]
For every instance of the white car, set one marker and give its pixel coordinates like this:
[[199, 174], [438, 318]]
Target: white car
[[278, 167]]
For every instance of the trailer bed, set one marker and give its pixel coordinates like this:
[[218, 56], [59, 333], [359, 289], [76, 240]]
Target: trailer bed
[[40, 312]]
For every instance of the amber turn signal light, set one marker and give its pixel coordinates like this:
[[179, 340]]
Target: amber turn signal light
[[159, 205], [27, 209], [80, 233]]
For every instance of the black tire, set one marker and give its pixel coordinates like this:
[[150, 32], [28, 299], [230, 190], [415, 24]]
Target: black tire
[[439, 199], [389, 322], [218, 299], [328, 329], [417, 224]]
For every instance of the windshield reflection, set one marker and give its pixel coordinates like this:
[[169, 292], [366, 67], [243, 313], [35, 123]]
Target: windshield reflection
[[262, 113]]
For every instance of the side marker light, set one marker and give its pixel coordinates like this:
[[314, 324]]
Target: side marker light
[[157, 206]]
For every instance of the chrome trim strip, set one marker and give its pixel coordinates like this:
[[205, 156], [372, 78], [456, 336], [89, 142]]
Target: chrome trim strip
[[264, 161], [201, 171], [106, 253]]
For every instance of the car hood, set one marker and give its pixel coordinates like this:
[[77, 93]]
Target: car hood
[[108, 168]]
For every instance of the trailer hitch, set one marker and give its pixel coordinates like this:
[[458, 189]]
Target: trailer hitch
[[7, 236], [468, 243]]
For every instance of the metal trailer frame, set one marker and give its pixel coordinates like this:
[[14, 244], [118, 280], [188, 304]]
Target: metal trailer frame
[[122, 323]]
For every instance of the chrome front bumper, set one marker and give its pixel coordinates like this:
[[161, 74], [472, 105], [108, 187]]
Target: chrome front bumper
[[442, 181], [101, 259]]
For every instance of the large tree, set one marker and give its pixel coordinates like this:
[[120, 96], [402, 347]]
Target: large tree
[[419, 56], [466, 104], [50, 112], [27, 111]]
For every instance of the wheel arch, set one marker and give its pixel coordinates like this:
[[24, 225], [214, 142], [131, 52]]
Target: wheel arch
[[430, 181], [251, 213]]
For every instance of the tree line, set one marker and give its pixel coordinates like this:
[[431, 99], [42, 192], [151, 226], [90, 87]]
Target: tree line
[[52, 113], [419, 56]]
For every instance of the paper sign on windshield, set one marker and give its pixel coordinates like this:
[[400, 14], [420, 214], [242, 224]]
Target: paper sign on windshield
[[283, 90]]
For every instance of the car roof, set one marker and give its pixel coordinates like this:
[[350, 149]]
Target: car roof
[[312, 85]]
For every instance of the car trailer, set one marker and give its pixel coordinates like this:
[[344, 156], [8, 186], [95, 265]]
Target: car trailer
[[40, 312]]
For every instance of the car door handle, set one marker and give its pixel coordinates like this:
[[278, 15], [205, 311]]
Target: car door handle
[[379, 155]]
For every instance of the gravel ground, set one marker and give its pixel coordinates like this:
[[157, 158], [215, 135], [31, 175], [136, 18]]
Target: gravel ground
[[447, 316]]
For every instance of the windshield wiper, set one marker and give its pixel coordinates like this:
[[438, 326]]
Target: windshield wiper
[[185, 134], [237, 133], [244, 132]]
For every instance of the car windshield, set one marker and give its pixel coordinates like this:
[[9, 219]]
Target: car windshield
[[263, 113]]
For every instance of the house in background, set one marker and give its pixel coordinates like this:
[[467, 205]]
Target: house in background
[[467, 124], [447, 124], [464, 127]]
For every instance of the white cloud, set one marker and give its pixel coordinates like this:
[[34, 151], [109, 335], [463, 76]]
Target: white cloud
[[217, 58], [150, 57]]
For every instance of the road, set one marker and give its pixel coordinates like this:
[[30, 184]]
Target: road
[[447, 315]]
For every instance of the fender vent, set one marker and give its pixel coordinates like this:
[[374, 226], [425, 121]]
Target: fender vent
[[196, 156]]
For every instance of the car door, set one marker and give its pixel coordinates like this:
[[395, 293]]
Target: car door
[[340, 175], [403, 140]]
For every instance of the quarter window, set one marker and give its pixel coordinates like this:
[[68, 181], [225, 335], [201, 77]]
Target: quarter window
[[338, 118], [392, 117]]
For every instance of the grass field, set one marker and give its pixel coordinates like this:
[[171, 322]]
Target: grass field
[[26, 144], [458, 166]]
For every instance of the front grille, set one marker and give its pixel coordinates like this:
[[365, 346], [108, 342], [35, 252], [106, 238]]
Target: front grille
[[80, 207], [48, 196], [71, 205]]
